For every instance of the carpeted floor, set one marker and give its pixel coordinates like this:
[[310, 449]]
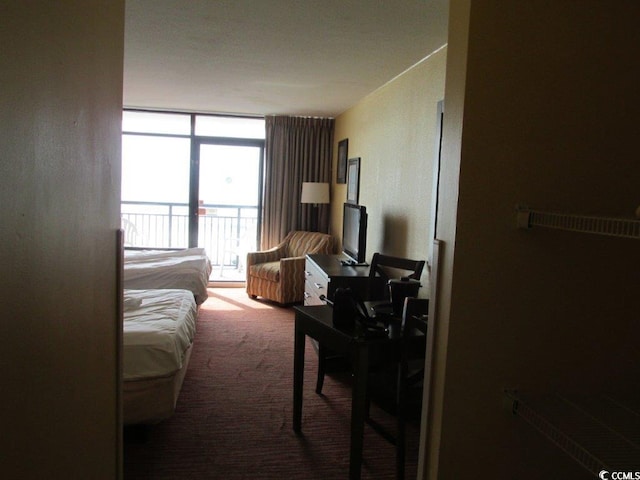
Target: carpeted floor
[[233, 418]]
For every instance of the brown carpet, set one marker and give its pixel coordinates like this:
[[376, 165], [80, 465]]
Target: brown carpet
[[233, 418]]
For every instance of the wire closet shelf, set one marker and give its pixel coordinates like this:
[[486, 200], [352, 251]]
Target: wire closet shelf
[[601, 433], [613, 227]]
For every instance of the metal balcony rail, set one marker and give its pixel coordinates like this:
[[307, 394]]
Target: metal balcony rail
[[226, 232]]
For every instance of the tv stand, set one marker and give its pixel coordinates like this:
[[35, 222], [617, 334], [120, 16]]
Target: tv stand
[[326, 273]]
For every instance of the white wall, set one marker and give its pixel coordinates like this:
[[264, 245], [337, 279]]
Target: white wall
[[61, 80], [393, 131]]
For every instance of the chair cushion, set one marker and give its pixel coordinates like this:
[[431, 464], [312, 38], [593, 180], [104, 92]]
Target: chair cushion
[[268, 271]]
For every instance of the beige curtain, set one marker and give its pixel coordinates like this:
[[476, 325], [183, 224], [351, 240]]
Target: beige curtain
[[297, 149]]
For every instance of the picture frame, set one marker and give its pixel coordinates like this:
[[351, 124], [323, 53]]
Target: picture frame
[[353, 180], [343, 151]]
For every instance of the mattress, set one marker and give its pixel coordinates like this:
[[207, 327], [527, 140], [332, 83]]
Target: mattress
[[187, 269], [159, 327]]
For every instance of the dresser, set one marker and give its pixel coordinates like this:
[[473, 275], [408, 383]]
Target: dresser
[[325, 273]]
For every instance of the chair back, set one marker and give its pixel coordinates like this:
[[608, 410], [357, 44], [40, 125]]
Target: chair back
[[415, 309], [384, 267], [301, 243]]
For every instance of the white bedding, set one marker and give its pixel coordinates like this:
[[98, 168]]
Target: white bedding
[[187, 269], [159, 327]]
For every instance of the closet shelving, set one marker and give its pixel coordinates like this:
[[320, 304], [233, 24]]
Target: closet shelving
[[614, 227], [599, 432]]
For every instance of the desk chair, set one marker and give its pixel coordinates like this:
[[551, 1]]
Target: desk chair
[[388, 267], [385, 267], [406, 391]]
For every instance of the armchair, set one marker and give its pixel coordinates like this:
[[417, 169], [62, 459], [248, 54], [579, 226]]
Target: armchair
[[277, 274]]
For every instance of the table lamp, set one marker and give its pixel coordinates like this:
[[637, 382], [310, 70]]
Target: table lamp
[[314, 193]]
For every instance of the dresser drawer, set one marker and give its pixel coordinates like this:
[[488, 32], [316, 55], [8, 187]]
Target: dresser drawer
[[315, 289], [315, 284], [310, 299]]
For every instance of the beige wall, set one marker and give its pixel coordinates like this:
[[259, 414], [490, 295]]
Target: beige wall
[[393, 132], [61, 80], [541, 109]]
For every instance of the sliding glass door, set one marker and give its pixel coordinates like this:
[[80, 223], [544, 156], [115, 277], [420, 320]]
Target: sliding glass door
[[192, 180], [229, 191]]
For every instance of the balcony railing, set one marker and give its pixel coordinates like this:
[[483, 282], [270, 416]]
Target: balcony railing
[[226, 232]]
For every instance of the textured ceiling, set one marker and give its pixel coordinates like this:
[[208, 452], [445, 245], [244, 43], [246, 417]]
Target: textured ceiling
[[296, 57]]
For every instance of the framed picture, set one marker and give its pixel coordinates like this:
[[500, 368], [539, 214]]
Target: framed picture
[[353, 180], [341, 173]]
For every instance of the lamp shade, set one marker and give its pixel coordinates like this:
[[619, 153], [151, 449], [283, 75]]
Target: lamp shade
[[314, 192]]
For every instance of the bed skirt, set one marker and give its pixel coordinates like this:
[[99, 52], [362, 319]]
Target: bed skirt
[[150, 401]]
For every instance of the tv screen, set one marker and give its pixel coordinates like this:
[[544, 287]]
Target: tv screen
[[354, 232]]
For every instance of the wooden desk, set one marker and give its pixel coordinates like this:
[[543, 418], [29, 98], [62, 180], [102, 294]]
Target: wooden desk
[[316, 322]]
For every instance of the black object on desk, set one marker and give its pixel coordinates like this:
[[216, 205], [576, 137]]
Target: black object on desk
[[349, 310], [381, 309], [317, 322]]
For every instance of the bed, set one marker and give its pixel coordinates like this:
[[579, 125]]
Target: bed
[[159, 327], [187, 269]]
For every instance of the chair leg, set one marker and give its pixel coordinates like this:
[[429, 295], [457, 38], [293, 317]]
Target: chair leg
[[401, 393], [321, 368], [400, 449]]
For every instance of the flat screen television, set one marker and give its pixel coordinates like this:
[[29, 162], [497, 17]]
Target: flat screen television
[[354, 232]]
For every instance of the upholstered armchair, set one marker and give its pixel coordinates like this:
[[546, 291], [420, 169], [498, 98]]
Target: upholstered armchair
[[277, 274]]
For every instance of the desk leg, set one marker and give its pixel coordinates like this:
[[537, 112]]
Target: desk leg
[[298, 376], [358, 410]]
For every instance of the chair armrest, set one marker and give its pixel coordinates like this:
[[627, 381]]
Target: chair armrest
[[290, 265], [272, 255]]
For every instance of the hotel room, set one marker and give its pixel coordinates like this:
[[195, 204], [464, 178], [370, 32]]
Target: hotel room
[[541, 106]]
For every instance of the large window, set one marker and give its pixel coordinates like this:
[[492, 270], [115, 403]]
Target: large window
[[192, 180]]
